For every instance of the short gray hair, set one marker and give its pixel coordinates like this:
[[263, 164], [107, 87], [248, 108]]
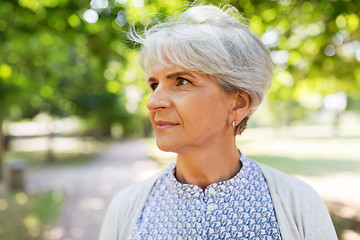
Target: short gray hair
[[214, 41]]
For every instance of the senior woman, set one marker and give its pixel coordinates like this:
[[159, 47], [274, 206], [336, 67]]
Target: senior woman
[[208, 73]]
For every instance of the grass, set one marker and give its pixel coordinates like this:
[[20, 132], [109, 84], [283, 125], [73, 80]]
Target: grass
[[308, 166], [67, 152], [305, 156], [24, 216], [34, 216], [37, 159]]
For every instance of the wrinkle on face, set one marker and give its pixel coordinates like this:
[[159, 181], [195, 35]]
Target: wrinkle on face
[[201, 107]]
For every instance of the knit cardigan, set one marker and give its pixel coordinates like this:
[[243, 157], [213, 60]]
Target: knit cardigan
[[300, 212]]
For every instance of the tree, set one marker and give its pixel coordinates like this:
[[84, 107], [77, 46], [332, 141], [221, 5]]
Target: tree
[[73, 58], [315, 48], [58, 59]]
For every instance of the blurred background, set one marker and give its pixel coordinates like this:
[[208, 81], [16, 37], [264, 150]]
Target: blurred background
[[74, 127]]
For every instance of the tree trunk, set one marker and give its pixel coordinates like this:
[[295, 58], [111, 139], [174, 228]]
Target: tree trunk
[[1, 149], [336, 124], [50, 144]]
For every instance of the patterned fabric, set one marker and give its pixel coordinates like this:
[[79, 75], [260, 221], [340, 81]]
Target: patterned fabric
[[239, 208]]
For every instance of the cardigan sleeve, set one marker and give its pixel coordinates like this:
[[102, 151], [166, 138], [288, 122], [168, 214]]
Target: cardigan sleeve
[[301, 213], [109, 226], [321, 225], [124, 210]]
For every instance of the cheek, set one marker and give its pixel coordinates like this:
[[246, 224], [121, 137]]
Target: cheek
[[203, 111]]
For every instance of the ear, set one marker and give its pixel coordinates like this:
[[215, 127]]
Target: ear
[[241, 107]]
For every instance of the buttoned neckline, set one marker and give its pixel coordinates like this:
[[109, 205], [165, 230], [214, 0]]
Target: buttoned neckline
[[238, 208], [218, 189]]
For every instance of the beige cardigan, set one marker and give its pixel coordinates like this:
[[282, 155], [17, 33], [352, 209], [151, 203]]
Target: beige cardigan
[[300, 212]]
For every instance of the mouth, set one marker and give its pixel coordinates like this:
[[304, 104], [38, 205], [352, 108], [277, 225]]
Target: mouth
[[162, 125]]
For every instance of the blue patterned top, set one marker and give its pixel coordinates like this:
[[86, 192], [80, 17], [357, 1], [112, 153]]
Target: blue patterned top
[[239, 208]]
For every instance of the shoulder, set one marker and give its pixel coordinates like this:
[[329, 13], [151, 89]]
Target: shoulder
[[300, 211], [134, 194], [284, 183], [290, 193]]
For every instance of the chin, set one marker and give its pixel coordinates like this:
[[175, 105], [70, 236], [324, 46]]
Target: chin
[[165, 146]]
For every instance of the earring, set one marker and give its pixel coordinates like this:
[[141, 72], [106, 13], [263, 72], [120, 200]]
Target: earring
[[233, 124]]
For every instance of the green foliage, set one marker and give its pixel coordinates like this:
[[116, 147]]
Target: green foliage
[[26, 216], [53, 60], [315, 47]]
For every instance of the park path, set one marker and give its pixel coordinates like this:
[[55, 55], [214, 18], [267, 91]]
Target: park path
[[90, 188]]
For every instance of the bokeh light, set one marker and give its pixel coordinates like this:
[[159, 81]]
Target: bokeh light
[[91, 16]]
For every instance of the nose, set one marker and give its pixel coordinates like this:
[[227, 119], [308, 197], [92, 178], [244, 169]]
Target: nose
[[159, 99]]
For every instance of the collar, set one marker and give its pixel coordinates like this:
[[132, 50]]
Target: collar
[[219, 189]]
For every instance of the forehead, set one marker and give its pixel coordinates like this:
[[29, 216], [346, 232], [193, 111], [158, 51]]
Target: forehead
[[158, 56], [158, 69]]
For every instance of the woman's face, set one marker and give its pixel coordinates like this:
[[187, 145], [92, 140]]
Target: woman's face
[[187, 109]]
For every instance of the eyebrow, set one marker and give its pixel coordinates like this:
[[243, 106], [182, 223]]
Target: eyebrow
[[178, 74], [173, 75]]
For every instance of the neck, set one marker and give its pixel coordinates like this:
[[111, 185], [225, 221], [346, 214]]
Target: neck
[[206, 165]]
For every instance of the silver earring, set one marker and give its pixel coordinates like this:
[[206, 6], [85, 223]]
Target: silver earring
[[233, 124]]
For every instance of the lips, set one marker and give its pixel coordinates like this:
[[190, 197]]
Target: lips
[[162, 125]]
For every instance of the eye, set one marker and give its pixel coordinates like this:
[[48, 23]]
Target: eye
[[182, 81], [153, 86]]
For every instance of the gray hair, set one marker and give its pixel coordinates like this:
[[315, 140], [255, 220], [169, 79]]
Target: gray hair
[[213, 41]]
